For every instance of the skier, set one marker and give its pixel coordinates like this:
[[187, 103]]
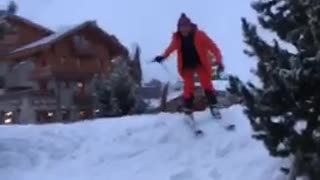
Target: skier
[[193, 47]]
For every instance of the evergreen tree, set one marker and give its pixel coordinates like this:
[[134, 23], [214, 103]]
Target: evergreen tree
[[285, 111], [135, 64], [4, 26], [12, 8], [123, 87], [104, 97], [117, 95]]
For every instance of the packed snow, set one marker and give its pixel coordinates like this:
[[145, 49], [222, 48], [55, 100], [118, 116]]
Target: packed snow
[[157, 147]]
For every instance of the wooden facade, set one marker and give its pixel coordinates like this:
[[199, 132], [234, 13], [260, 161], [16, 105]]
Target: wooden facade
[[75, 54], [22, 32], [62, 63]]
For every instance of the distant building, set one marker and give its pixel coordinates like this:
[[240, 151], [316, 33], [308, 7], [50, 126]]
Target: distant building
[[47, 76], [173, 102], [151, 90]]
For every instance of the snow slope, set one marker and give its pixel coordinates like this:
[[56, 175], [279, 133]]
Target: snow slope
[[148, 147]]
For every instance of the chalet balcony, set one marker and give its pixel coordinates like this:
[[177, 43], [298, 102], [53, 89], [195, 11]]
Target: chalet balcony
[[82, 48], [75, 72], [83, 100], [43, 93], [41, 73]]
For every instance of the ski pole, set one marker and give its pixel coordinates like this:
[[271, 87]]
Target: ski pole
[[169, 72], [164, 67], [150, 61]]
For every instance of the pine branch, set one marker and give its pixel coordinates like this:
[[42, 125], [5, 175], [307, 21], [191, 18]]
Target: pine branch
[[284, 113]]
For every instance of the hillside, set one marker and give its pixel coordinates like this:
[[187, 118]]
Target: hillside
[[157, 147]]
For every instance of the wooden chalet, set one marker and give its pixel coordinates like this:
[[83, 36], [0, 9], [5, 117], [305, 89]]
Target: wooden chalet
[[48, 76]]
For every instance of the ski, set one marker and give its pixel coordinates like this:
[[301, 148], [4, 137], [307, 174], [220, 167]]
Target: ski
[[216, 114], [190, 121]]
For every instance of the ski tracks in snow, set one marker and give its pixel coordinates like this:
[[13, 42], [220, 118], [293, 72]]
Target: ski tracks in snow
[[32, 152], [157, 147]]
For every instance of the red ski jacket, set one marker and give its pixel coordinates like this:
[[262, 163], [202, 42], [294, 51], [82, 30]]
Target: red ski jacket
[[203, 45]]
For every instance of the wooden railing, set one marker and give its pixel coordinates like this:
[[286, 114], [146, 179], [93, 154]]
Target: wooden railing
[[63, 72]]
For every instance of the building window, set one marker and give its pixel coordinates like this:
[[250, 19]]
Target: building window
[[8, 118], [65, 115], [50, 114], [85, 114], [80, 42], [45, 116], [80, 85]]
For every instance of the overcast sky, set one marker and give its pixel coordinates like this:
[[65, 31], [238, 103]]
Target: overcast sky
[[151, 23]]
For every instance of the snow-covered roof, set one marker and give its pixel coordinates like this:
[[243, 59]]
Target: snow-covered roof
[[42, 41], [28, 22], [52, 38]]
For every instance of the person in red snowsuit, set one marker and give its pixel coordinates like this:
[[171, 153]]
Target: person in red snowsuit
[[193, 47]]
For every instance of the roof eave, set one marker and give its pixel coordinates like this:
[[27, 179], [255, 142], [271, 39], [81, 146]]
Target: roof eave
[[26, 53], [34, 24]]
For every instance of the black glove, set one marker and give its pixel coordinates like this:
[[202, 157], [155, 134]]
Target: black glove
[[159, 59]]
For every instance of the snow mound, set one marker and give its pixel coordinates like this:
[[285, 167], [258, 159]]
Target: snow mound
[[147, 147]]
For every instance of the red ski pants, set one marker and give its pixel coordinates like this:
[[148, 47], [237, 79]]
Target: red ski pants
[[189, 83]]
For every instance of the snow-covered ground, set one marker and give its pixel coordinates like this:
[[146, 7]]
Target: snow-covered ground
[[148, 147]]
